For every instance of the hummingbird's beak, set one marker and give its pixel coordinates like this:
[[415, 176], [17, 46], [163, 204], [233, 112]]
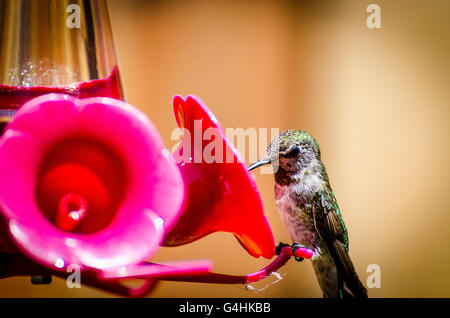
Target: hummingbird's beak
[[258, 163]]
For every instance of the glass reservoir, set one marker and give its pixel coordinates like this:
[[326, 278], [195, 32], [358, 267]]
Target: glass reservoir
[[55, 46]]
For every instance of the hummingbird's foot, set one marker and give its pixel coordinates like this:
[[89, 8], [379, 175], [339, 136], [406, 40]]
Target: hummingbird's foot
[[296, 246], [280, 247]]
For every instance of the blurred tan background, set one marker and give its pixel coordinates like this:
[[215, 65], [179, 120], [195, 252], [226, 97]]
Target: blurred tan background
[[377, 100]]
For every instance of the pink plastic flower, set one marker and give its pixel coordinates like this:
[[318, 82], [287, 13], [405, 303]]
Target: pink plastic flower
[[221, 193], [86, 182]]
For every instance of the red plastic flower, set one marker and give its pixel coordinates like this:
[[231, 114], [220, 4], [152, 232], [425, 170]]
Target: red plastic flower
[[221, 193]]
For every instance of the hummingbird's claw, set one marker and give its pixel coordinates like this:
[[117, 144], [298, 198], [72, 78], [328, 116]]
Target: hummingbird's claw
[[280, 247], [295, 246]]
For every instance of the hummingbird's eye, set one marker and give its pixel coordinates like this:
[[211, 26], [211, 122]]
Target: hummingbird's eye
[[294, 151]]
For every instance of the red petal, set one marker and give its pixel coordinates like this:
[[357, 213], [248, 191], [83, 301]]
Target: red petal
[[221, 196]]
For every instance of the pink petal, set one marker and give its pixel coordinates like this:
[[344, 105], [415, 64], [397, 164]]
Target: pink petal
[[137, 227]]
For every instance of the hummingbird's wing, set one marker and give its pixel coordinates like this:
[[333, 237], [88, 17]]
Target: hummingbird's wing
[[330, 227]]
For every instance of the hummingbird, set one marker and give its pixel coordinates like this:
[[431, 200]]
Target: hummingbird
[[310, 212]]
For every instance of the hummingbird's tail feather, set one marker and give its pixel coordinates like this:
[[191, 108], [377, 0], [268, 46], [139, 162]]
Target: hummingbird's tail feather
[[347, 293], [336, 280], [330, 226], [327, 274], [352, 287]]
